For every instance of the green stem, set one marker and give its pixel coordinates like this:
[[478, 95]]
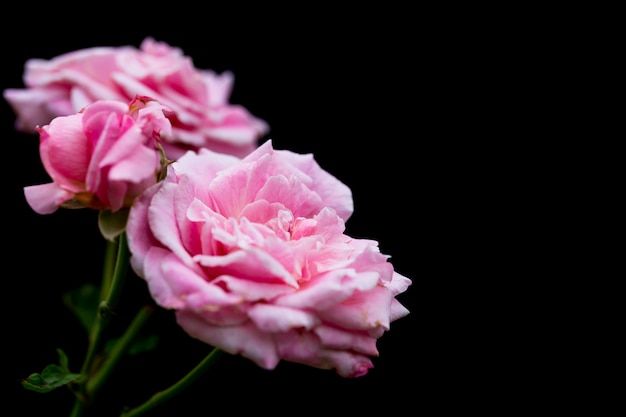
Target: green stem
[[162, 396], [119, 276], [79, 406], [118, 350], [110, 251], [113, 288], [105, 307]]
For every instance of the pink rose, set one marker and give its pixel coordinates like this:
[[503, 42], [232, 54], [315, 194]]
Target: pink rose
[[251, 255], [102, 157], [199, 99]]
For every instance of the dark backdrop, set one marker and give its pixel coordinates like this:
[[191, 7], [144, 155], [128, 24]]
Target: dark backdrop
[[339, 86]]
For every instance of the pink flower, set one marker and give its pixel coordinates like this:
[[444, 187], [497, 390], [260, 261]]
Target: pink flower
[[102, 157], [251, 255], [199, 99]]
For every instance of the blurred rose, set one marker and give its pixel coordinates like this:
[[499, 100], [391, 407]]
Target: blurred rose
[[199, 99], [102, 157], [252, 256]]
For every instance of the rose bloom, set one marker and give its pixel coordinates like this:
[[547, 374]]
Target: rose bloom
[[102, 157], [252, 256], [202, 115]]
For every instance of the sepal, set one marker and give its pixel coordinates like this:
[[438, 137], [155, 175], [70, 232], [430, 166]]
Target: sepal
[[112, 224]]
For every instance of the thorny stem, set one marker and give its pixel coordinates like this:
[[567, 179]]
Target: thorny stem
[[118, 350], [162, 396], [114, 287]]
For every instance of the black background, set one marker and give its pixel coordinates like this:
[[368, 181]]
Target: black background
[[343, 86]]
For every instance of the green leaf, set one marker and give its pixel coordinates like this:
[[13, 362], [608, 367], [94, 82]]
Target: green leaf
[[83, 302], [63, 360], [112, 224], [53, 376]]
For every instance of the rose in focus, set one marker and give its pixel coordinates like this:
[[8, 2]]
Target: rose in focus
[[102, 157], [199, 99], [252, 256]]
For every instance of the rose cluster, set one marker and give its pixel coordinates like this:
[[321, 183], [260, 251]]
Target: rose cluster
[[244, 242]]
